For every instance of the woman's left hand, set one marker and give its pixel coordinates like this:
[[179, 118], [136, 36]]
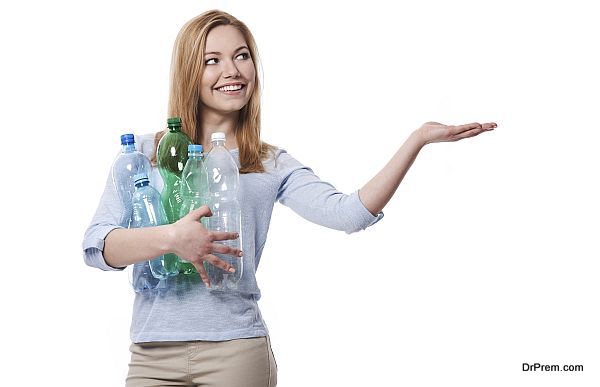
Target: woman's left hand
[[432, 132]]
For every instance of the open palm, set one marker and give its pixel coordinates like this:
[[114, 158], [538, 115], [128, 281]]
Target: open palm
[[436, 132]]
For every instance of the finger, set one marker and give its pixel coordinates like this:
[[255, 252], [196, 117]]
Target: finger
[[223, 235], [200, 212], [222, 249], [469, 133], [458, 129], [202, 272], [213, 260], [489, 125], [471, 126]]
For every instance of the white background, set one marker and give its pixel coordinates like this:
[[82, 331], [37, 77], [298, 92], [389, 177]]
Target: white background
[[486, 258]]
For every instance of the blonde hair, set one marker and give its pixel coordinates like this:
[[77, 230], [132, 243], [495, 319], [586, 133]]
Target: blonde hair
[[187, 66]]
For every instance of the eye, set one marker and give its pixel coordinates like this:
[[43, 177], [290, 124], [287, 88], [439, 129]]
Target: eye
[[211, 61], [243, 56]]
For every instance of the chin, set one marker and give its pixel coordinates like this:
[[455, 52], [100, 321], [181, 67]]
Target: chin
[[226, 107], [232, 108]]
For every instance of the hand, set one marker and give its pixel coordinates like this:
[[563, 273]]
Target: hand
[[194, 243], [435, 132]]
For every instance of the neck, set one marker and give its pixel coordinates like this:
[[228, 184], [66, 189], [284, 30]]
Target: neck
[[215, 122], [127, 148]]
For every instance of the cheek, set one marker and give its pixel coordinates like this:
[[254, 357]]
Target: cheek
[[208, 79], [250, 88], [247, 70], [250, 74], [206, 91]]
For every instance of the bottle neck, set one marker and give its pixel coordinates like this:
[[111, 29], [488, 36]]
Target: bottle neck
[[195, 155], [174, 129], [216, 143], [127, 148], [142, 184]]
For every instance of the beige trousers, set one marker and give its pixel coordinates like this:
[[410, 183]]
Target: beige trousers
[[232, 363]]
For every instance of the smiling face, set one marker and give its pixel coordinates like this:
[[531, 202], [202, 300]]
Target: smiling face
[[229, 76]]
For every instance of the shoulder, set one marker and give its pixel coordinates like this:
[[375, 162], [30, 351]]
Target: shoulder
[[281, 162], [146, 143], [276, 156]]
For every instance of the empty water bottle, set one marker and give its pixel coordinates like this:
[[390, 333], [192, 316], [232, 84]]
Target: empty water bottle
[[223, 185], [172, 156], [194, 186], [148, 212], [128, 163], [141, 278]]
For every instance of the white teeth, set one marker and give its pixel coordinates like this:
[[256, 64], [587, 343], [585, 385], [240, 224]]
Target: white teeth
[[230, 88]]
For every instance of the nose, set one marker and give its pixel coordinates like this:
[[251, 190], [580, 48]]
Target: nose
[[230, 70]]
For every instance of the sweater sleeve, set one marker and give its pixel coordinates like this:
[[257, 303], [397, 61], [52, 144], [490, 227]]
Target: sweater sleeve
[[104, 221], [319, 201]]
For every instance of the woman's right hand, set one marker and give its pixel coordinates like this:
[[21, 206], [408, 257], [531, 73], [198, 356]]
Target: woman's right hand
[[194, 243]]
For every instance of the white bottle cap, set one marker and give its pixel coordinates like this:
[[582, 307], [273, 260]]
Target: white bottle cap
[[217, 136]]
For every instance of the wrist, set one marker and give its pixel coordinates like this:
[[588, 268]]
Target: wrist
[[419, 138], [168, 236]]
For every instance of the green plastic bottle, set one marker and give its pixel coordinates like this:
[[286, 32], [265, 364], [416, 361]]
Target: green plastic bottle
[[172, 154]]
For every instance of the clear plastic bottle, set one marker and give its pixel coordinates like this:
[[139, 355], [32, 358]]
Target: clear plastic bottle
[[148, 212], [128, 163], [223, 185], [141, 278], [194, 189], [171, 156]]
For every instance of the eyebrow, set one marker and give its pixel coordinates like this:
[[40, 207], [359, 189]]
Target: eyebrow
[[218, 53]]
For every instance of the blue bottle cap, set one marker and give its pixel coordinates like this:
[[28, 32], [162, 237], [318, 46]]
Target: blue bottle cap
[[140, 178], [195, 148], [127, 139]]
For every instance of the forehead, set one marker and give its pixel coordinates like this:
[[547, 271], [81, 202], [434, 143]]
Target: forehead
[[224, 39]]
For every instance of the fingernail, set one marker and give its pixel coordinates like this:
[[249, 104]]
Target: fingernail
[[231, 270], [240, 254]]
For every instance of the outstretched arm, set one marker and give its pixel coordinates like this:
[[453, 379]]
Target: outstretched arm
[[380, 189]]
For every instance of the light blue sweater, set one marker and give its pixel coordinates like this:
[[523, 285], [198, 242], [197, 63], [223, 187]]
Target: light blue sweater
[[186, 310]]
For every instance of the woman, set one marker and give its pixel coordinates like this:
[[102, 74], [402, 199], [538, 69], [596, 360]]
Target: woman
[[186, 335]]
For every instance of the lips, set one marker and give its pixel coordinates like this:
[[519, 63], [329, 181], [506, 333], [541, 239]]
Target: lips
[[231, 87]]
